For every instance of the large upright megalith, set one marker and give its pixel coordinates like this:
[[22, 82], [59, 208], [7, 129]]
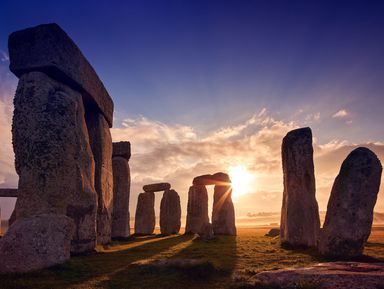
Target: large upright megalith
[[121, 189], [223, 211], [59, 103], [197, 209], [349, 215], [300, 223], [170, 213], [145, 218]]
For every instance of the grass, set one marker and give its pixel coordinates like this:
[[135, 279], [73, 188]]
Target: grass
[[223, 262]]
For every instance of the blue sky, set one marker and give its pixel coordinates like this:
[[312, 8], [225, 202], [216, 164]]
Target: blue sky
[[236, 73]]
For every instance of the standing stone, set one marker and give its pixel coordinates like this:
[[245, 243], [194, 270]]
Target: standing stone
[[223, 213], [300, 222], [349, 217], [53, 158], [170, 213], [121, 188], [207, 232], [197, 209], [35, 243], [157, 187], [145, 214], [101, 144]]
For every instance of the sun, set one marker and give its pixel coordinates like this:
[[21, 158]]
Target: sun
[[241, 180]]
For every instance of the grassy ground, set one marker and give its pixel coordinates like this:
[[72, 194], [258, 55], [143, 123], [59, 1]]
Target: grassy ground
[[127, 264]]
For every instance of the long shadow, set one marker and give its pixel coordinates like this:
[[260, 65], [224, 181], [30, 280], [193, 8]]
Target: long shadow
[[83, 269]]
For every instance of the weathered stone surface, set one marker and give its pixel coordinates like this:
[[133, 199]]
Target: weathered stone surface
[[52, 156], [47, 48], [300, 222], [101, 144], [215, 179], [121, 191], [197, 209], [274, 232], [156, 187], [145, 214], [223, 213], [122, 149], [36, 242], [170, 213], [351, 275], [349, 215], [8, 193], [207, 232]]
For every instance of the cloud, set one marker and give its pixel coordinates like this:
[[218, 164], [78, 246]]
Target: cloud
[[4, 56], [340, 114]]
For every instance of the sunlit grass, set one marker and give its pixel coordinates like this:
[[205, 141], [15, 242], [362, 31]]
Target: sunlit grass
[[126, 264]]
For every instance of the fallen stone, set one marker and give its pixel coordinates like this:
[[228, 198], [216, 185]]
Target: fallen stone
[[349, 217], [53, 157], [207, 232], [122, 149], [35, 243], [121, 191], [197, 209], [274, 232], [223, 213], [8, 193], [47, 48], [145, 214], [351, 275], [170, 213], [101, 144], [300, 222], [158, 187]]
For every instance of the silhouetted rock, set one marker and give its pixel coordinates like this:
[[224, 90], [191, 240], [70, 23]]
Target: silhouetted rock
[[47, 48], [207, 232], [349, 215], [53, 157], [300, 222], [121, 191], [170, 213], [145, 214], [158, 187], [197, 209], [223, 214], [8, 193], [35, 243], [351, 275], [274, 232], [101, 144], [215, 179], [122, 149]]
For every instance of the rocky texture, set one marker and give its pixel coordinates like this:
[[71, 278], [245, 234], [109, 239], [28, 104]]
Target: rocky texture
[[351, 275], [206, 232], [121, 191], [349, 215], [145, 214], [223, 213], [215, 179], [36, 242], [122, 149], [158, 187], [47, 48], [52, 156], [170, 213], [101, 144], [8, 193], [300, 222], [274, 232], [197, 209]]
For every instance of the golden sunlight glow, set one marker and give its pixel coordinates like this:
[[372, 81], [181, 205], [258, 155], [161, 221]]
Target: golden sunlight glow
[[241, 180]]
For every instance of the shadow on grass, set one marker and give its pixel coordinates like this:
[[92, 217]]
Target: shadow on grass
[[89, 271]]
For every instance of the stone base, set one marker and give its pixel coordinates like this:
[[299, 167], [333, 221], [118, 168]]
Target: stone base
[[35, 243]]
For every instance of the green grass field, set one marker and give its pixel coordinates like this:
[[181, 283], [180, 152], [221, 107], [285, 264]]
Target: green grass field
[[225, 261]]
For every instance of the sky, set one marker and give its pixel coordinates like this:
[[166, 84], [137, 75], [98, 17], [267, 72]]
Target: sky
[[207, 86]]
